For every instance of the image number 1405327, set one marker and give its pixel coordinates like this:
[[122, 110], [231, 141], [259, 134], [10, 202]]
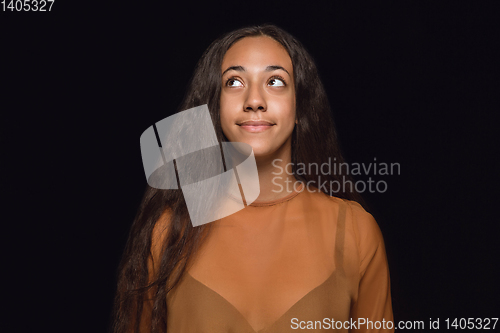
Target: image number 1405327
[[27, 5]]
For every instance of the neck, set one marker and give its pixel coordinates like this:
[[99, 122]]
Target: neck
[[275, 174]]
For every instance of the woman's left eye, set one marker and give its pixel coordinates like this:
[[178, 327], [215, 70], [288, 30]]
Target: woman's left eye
[[277, 82]]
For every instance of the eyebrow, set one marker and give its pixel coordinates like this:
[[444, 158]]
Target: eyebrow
[[268, 69]]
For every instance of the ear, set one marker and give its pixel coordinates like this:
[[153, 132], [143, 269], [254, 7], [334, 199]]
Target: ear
[[296, 121]]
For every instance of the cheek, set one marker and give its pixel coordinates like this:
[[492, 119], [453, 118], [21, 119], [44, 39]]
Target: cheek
[[223, 110], [226, 120], [291, 116], [288, 112]]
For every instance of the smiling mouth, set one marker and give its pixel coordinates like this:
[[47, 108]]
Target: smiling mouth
[[255, 123], [255, 126]]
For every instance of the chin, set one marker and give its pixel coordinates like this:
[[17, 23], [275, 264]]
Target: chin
[[261, 147], [262, 152]]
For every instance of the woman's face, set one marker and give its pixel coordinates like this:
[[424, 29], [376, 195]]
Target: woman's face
[[258, 95]]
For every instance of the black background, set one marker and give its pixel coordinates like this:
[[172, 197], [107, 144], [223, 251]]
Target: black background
[[413, 83]]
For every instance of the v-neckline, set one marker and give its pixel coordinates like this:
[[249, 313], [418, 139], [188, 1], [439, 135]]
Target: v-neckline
[[279, 318]]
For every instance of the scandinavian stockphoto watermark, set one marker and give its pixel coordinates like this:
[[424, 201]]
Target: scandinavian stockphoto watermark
[[343, 171]]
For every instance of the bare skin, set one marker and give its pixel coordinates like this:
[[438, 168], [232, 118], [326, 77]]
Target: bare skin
[[258, 85]]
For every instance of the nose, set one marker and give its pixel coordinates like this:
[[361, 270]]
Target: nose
[[255, 99]]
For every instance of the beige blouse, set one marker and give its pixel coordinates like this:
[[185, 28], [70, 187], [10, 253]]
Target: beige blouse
[[305, 262]]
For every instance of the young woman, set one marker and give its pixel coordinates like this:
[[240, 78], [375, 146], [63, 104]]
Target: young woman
[[296, 258]]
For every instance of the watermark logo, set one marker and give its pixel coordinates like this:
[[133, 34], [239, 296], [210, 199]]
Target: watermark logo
[[343, 171], [188, 139]]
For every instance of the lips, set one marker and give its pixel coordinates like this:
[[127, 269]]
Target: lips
[[255, 126], [256, 123]]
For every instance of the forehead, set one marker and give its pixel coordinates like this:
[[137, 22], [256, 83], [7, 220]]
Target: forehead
[[257, 53]]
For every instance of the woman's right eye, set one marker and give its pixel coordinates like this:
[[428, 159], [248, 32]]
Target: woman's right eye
[[234, 83]]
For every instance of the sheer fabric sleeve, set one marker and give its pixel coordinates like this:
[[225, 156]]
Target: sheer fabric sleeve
[[373, 305]]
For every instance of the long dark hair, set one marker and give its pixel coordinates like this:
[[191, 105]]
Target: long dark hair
[[314, 140]]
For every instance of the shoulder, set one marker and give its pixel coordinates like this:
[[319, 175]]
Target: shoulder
[[364, 224], [364, 230], [362, 221]]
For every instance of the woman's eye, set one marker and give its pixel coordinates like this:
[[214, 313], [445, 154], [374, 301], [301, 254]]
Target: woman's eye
[[275, 82], [234, 83]]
